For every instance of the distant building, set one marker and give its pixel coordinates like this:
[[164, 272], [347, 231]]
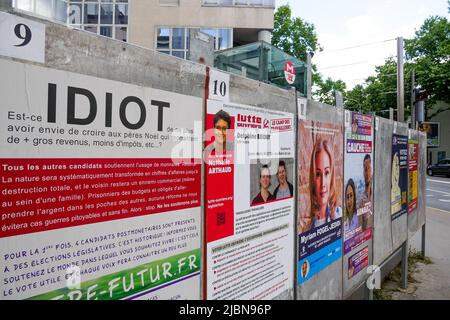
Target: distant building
[[440, 113], [163, 25]]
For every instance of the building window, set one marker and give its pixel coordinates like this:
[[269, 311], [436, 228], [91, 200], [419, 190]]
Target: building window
[[171, 3], [107, 18], [175, 41], [253, 3], [50, 9]]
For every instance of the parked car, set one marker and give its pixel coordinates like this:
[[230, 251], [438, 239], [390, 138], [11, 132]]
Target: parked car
[[441, 168]]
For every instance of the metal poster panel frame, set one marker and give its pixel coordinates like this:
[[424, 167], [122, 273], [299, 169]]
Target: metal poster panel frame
[[249, 210], [320, 170], [101, 188], [358, 188], [399, 176]]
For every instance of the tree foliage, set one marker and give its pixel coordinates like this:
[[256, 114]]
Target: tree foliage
[[296, 37], [293, 35], [429, 52], [325, 91]]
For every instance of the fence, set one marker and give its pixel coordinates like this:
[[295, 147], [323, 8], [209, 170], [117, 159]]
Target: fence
[[105, 194]]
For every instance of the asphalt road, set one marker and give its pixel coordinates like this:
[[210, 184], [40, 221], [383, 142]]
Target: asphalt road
[[438, 193]]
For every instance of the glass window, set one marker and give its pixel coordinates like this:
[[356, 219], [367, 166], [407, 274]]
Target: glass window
[[121, 33], [44, 8], [106, 31], [90, 13], [92, 29], [61, 10], [25, 5], [106, 14], [169, 2], [224, 39], [165, 52], [121, 14], [179, 54], [163, 38], [178, 38], [211, 32], [75, 10]]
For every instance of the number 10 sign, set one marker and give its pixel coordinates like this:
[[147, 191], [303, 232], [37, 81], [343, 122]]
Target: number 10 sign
[[21, 38]]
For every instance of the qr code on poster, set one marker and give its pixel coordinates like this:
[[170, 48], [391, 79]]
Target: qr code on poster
[[220, 218]]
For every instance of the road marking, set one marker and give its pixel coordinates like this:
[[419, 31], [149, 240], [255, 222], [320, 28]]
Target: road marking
[[430, 195], [439, 209], [438, 191], [444, 200], [439, 181]]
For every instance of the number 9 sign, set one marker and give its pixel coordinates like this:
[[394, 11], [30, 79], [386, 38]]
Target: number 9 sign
[[27, 34], [22, 38]]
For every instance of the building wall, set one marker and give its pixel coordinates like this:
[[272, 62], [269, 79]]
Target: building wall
[[444, 118], [145, 15]]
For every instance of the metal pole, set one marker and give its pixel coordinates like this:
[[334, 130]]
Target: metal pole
[[400, 82], [405, 265], [423, 240], [308, 76], [339, 99], [413, 98]]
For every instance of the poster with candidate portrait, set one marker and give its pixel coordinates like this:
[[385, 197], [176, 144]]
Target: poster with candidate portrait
[[358, 212], [249, 216], [413, 174], [399, 176], [320, 173]]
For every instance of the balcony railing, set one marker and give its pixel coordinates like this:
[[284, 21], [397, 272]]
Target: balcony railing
[[240, 3]]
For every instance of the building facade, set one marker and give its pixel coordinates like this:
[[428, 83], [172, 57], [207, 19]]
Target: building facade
[[163, 25], [440, 113]]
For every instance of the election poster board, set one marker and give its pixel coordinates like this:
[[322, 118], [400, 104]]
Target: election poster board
[[399, 176], [358, 212], [249, 210], [413, 174], [100, 188], [319, 197]]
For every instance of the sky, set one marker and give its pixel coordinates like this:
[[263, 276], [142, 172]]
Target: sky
[[341, 24]]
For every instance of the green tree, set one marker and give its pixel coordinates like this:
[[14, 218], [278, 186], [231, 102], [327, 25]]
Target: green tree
[[293, 35], [296, 37], [325, 91], [429, 52], [356, 99], [379, 92]]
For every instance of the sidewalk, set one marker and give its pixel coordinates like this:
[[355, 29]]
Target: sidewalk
[[428, 281]]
